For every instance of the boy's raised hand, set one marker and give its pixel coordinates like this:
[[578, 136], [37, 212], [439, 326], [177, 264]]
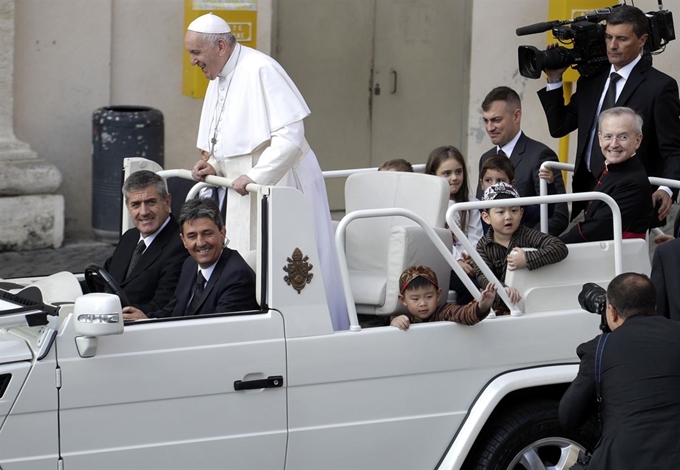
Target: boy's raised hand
[[517, 259], [487, 298], [400, 322]]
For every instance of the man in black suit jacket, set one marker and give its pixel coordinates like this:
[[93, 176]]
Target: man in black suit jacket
[[502, 113], [666, 279], [215, 279], [151, 281], [625, 180], [652, 94], [639, 377]]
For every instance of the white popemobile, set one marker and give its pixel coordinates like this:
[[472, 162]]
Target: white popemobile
[[278, 388]]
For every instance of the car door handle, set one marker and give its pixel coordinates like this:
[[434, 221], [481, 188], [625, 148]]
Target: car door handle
[[273, 381]]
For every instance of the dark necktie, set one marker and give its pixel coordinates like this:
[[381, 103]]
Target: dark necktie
[[610, 97], [198, 292], [139, 249], [501, 152], [215, 194], [596, 157]]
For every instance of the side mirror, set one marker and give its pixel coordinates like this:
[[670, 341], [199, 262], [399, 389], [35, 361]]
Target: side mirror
[[96, 315]]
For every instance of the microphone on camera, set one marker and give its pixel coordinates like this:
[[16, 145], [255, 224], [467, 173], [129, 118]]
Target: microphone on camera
[[535, 28]]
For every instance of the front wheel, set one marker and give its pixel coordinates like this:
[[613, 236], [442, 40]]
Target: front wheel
[[529, 437]]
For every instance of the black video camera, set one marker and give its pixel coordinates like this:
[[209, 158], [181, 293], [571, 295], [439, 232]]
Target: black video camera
[[593, 298], [585, 33]]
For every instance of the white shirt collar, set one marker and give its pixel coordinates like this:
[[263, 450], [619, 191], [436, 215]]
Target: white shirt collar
[[150, 238], [625, 70], [510, 146], [207, 272], [231, 63]]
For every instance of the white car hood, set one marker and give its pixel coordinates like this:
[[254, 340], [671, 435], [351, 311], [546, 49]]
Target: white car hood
[[13, 349]]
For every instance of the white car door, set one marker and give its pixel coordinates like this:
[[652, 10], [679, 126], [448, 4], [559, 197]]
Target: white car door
[[162, 395]]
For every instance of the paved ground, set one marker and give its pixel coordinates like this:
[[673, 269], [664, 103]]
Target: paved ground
[[73, 256]]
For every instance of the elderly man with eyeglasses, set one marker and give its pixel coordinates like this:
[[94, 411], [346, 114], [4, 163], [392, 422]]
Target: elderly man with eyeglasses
[[624, 179]]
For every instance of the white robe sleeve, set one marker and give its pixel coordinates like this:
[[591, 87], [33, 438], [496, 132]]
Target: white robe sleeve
[[283, 153]]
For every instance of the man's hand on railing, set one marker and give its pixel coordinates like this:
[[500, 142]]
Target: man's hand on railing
[[665, 200], [546, 174]]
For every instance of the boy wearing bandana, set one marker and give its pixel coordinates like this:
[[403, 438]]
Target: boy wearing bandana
[[420, 294]]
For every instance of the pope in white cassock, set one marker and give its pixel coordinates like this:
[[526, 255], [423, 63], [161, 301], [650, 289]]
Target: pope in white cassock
[[251, 130]]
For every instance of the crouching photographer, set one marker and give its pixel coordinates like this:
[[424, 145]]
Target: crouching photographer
[[633, 375]]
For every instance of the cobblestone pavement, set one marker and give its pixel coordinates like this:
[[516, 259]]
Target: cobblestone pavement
[[73, 256]]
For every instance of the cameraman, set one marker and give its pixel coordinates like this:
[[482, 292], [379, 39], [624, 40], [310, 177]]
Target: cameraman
[[639, 382], [637, 85]]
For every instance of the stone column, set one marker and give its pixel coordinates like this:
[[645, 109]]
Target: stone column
[[31, 215]]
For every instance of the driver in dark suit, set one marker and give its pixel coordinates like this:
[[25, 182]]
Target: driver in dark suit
[[639, 377], [637, 85], [147, 261], [214, 279]]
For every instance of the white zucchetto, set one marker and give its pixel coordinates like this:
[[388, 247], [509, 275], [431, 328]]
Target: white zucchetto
[[210, 24]]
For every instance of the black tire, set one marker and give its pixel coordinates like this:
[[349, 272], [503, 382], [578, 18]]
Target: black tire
[[530, 430]]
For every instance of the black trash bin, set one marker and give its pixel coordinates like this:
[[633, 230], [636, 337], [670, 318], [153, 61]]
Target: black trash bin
[[119, 132]]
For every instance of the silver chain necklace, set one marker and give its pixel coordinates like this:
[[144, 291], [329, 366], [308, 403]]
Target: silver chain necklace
[[213, 141]]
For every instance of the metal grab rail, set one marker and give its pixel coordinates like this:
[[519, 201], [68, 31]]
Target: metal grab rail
[[331, 174], [543, 189], [653, 180], [210, 180], [389, 212], [525, 201]]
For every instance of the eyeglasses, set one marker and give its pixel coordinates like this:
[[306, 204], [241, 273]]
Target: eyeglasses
[[623, 138]]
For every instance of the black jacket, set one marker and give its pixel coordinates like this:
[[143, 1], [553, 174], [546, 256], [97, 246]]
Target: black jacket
[[640, 380], [527, 157], [152, 283], [231, 288], [627, 183]]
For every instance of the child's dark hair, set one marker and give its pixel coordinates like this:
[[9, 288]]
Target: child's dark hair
[[417, 283], [416, 277], [398, 164], [499, 163], [434, 161]]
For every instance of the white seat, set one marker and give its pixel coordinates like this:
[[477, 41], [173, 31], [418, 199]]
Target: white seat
[[559, 284], [379, 249]]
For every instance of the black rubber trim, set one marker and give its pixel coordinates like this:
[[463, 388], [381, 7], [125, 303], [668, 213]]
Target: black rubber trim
[[5, 379], [474, 402], [194, 317], [36, 319], [27, 304], [264, 251]]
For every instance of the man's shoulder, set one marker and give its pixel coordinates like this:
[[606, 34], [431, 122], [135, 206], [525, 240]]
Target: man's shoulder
[[488, 154], [655, 74], [233, 260], [535, 146], [252, 59]]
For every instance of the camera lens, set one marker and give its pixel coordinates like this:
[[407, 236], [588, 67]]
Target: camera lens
[[532, 61]]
